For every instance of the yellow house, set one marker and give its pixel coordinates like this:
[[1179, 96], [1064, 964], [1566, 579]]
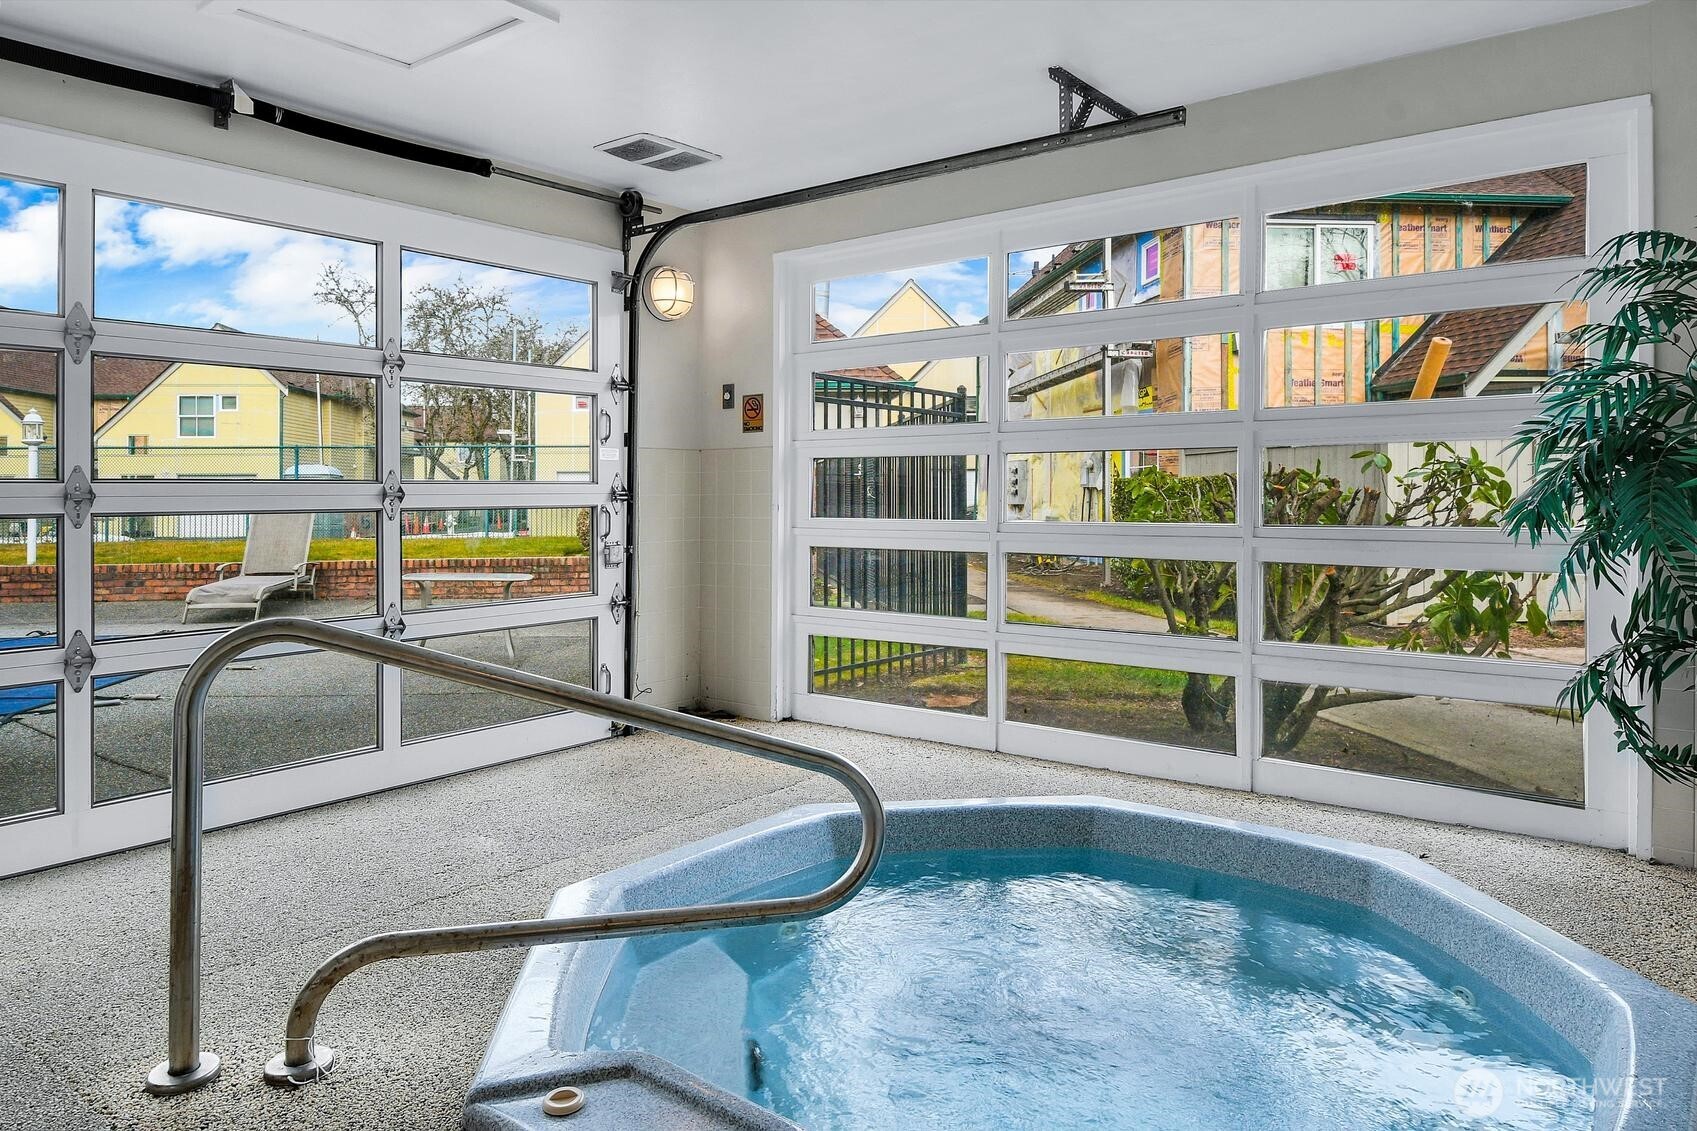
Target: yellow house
[[563, 423], [29, 380], [188, 420]]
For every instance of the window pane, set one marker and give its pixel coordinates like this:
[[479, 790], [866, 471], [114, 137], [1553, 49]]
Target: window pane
[[29, 739], [432, 706], [942, 487], [29, 246], [1146, 704], [1400, 483], [1495, 613], [464, 309], [901, 302], [1193, 261], [902, 393], [1534, 751], [261, 713], [1196, 374], [939, 677], [468, 432], [1517, 218], [190, 420], [1490, 352], [478, 555], [176, 267], [164, 573], [29, 389], [1184, 598], [941, 583], [1157, 485], [29, 582]]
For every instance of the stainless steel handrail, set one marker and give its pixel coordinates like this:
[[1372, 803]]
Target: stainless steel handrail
[[302, 1059]]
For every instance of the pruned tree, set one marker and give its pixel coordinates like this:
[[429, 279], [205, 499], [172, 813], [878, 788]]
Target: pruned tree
[[1465, 612], [462, 320]]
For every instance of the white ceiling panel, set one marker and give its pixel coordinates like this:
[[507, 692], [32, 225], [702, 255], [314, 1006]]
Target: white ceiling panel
[[790, 93]]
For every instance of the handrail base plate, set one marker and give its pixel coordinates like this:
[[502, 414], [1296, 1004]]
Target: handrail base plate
[[294, 1075], [162, 1082]]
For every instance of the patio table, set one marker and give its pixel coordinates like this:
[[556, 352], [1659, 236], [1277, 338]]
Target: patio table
[[426, 581]]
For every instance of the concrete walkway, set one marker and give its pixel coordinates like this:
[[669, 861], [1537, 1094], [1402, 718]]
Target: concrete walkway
[[82, 972], [1061, 608]]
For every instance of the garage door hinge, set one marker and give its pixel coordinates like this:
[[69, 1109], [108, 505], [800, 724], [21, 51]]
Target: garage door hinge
[[621, 493], [393, 493], [393, 362], [79, 496], [620, 604], [79, 660], [393, 626], [79, 332], [620, 384]]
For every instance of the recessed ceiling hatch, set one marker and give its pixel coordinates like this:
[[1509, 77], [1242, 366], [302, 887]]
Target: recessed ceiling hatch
[[655, 152], [402, 33]]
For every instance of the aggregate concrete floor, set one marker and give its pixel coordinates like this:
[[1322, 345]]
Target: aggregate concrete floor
[[81, 971]]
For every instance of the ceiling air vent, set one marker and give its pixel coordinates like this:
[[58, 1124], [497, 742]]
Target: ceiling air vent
[[654, 152]]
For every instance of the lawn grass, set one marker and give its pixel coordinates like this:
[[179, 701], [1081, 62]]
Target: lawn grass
[[171, 550]]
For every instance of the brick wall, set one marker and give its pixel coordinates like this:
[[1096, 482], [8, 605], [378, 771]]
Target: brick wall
[[335, 581]]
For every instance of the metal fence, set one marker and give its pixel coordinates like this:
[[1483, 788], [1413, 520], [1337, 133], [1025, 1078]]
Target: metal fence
[[840, 401], [14, 463], [893, 487], [565, 463], [250, 461], [925, 582], [842, 660], [475, 522]]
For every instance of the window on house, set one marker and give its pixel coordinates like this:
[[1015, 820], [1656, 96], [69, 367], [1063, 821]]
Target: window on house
[[1196, 374], [1186, 261], [1301, 255], [195, 416], [1518, 217], [291, 425]]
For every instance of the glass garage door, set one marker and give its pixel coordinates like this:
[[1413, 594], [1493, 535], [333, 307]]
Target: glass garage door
[[225, 397]]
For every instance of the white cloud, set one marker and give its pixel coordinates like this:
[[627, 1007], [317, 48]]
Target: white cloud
[[29, 251]]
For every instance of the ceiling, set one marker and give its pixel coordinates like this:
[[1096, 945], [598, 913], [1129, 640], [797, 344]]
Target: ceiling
[[789, 93]]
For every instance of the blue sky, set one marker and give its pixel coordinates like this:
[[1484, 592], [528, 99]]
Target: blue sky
[[181, 268], [558, 302], [1019, 264], [29, 246], [962, 288]]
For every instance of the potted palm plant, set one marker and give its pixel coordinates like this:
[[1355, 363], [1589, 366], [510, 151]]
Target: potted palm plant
[[1614, 450]]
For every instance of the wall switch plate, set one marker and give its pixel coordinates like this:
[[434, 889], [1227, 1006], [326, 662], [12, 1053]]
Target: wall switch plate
[[727, 396]]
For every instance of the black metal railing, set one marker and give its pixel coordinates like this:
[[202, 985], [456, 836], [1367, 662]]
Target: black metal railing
[[841, 401]]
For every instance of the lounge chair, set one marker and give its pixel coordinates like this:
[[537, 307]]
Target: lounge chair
[[275, 561]]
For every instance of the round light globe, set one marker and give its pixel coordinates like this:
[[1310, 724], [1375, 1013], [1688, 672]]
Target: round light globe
[[668, 293]]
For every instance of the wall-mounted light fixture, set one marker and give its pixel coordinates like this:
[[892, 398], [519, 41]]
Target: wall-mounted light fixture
[[668, 293]]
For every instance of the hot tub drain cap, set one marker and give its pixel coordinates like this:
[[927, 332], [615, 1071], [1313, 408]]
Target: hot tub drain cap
[[562, 1101]]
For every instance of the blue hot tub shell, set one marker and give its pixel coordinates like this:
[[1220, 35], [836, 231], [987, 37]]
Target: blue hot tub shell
[[1638, 1037]]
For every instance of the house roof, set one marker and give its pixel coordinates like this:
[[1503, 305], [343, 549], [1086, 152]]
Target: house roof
[[824, 331], [1478, 336], [124, 378]]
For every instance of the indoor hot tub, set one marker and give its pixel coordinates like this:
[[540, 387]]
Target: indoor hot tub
[[1077, 962]]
